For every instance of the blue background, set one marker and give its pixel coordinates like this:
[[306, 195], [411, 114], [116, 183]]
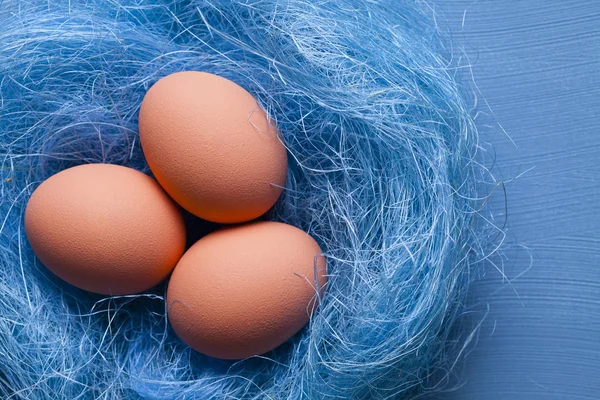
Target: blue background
[[537, 64]]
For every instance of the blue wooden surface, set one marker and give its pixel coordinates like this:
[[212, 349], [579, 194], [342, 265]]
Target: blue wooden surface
[[537, 64]]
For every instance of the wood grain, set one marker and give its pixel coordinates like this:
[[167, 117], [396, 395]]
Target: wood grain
[[537, 64]]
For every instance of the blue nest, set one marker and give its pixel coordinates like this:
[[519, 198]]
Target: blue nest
[[381, 173]]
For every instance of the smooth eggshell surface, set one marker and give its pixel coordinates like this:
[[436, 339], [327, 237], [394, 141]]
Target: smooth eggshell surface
[[244, 290], [211, 147], [105, 228]]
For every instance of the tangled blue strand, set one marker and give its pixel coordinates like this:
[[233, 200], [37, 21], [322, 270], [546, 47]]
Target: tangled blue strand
[[382, 174]]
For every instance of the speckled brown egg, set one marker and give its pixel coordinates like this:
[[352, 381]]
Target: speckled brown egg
[[105, 228], [244, 290], [212, 147]]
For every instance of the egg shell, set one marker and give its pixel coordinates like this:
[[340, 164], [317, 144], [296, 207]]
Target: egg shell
[[242, 291], [211, 147], [105, 228]]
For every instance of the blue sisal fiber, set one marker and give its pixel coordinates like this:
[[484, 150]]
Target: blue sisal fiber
[[382, 174]]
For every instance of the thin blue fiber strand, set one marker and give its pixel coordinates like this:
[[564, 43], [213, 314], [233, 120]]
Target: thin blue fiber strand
[[382, 174]]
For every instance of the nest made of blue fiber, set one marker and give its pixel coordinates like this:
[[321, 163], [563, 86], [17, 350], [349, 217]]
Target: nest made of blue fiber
[[381, 173]]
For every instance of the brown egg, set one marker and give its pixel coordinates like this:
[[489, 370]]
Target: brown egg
[[105, 228], [211, 147], [244, 290]]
